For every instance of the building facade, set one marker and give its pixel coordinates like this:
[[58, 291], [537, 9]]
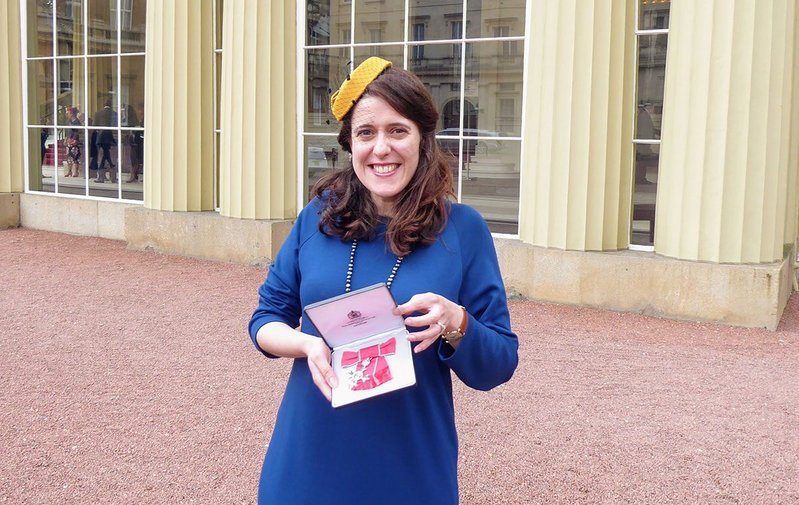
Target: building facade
[[637, 155]]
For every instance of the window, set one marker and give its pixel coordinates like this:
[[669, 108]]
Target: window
[[456, 32], [125, 13], [652, 38], [85, 99], [418, 34], [478, 95], [508, 48]]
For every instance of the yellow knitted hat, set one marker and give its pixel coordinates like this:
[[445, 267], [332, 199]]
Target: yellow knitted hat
[[351, 89]]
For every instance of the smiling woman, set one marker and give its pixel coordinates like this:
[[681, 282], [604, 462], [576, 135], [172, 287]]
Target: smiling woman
[[388, 216]]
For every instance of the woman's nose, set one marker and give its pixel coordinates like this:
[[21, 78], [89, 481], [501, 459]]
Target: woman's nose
[[382, 145]]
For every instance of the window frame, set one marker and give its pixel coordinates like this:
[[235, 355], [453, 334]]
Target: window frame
[[635, 141], [56, 61], [463, 45]]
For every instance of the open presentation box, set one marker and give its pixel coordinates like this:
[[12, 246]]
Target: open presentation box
[[371, 353]]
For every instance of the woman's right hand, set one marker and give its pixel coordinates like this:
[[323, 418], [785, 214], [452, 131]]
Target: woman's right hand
[[279, 339], [318, 355]]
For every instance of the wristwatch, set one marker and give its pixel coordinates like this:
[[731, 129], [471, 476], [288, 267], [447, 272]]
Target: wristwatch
[[453, 336]]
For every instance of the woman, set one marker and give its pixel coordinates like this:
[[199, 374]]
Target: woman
[[74, 144], [387, 216]]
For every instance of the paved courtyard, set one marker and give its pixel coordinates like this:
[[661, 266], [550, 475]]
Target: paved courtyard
[[128, 377]]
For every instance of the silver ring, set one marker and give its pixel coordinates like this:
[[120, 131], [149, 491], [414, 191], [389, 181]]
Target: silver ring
[[442, 326]]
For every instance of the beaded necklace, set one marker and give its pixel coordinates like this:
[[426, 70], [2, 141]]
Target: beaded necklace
[[351, 267]]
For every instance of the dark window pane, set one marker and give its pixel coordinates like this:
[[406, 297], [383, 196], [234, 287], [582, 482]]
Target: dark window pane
[[490, 173], [40, 28], [71, 102], [328, 22], [494, 87], [495, 19], [102, 84], [132, 84], [69, 23], [102, 27], [104, 157], [435, 20], [653, 15], [439, 71], [219, 12], [325, 71], [322, 154], [40, 92], [644, 192], [132, 23], [41, 159], [379, 21]]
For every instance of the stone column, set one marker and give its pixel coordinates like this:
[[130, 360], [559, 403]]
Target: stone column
[[178, 157], [11, 126], [258, 146], [577, 156], [724, 161]]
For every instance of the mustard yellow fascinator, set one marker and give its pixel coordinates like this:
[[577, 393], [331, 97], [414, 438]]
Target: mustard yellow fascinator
[[353, 87]]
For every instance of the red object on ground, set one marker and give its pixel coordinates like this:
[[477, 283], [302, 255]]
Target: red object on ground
[[128, 377]]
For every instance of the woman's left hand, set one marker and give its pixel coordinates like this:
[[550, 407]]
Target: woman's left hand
[[439, 315]]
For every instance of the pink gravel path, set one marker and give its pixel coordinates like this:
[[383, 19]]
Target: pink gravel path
[[128, 377]]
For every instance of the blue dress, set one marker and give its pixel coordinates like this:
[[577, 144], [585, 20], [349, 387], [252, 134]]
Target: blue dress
[[399, 448]]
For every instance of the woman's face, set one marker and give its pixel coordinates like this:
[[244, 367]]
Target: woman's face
[[385, 150]]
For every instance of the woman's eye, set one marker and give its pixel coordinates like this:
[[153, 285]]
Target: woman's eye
[[363, 133]]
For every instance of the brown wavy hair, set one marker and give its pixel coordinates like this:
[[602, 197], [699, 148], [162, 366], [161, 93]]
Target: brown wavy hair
[[420, 212]]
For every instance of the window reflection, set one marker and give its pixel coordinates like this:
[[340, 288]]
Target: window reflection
[[379, 21], [651, 77], [490, 181], [653, 14], [40, 28], [69, 23], [325, 71], [441, 74], [41, 108], [102, 82], [102, 27], [328, 22], [80, 93], [434, 20], [41, 159], [646, 178], [487, 19], [494, 87], [133, 19], [322, 154], [70, 90]]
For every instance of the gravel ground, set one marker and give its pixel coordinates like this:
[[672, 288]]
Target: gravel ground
[[128, 377]]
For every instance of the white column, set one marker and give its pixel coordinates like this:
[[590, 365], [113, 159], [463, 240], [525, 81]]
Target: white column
[[259, 108]]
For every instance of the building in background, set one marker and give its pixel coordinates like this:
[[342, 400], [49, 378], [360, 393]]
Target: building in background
[[635, 155]]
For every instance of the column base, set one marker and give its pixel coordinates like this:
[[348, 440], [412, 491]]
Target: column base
[[646, 283], [205, 235], [9, 210]]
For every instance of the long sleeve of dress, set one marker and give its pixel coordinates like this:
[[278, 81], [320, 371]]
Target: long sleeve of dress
[[488, 354], [279, 295]]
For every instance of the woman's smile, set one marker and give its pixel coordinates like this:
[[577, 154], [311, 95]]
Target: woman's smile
[[384, 169]]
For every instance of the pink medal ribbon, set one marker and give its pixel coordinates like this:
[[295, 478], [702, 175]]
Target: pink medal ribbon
[[372, 367]]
